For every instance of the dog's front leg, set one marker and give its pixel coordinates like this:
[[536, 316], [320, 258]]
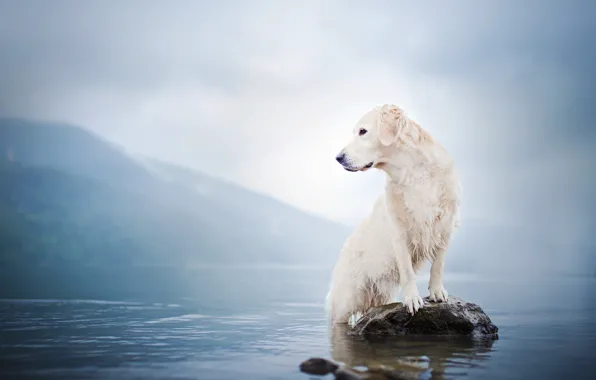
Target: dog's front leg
[[407, 276], [435, 285]]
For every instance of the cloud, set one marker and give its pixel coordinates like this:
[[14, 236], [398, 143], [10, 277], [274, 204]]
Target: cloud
[[266, 94]]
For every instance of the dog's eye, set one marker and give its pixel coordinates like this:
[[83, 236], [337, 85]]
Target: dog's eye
[[362, 131]]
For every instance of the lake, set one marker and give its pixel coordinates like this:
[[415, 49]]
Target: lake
[[260, 323]]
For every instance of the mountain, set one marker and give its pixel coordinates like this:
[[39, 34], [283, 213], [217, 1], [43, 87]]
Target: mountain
[[71, 149], [279, 219], [77, 212], [70, 198]]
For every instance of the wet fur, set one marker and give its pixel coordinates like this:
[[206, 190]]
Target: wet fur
[[413, 220]]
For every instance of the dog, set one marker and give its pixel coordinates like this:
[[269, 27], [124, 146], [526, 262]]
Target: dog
[[412, 222]]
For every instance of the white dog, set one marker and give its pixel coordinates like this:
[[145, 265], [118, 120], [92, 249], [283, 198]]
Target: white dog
[[411, 222]]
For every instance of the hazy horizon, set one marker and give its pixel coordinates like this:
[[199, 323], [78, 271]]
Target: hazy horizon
[[264, 95], [213, 257]]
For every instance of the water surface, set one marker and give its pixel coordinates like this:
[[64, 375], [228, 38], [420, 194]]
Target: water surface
[[261, 323]]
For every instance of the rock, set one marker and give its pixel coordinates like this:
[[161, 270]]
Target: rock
[[320, 366], [454, 317], [409, 345]]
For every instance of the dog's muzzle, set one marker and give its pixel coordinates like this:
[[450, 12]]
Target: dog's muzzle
[[341, 158]]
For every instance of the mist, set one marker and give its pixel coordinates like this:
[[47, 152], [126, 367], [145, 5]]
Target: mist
[[262, 97]]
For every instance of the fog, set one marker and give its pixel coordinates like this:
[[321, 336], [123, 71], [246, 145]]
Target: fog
[[264, 94]]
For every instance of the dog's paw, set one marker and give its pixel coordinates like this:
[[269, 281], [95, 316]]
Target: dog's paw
[[412, 300], [438, 294]]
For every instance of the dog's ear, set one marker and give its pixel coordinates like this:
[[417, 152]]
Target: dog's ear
[[391, 123]]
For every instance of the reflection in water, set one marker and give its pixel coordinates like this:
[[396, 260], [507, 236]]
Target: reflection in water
[[264, 332], [435, 356]]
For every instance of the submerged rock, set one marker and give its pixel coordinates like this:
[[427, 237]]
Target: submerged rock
[[454, 317], [388, 343], [320, 366]]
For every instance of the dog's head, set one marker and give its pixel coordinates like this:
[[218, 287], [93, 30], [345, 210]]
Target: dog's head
[[374, 138]]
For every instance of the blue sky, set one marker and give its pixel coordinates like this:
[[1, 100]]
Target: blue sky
[[265, 93]]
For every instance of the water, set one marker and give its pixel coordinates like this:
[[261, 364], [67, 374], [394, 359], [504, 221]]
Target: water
[[261, 323]]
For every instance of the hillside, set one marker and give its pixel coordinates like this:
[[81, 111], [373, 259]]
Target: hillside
[[77, 212], [69, 197], [71, 149]]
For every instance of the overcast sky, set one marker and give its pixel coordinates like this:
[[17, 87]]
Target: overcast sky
[[265, 93]]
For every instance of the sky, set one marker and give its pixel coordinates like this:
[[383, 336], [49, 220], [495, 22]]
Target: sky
[[265, 93]]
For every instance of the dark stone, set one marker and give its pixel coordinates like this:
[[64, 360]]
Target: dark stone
[[318, 366], [454, 317], [436, 332]]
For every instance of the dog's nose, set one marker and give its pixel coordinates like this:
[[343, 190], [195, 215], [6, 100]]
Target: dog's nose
[[340, 158]]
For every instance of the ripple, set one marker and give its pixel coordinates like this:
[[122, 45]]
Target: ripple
[[288, 313], [33, 345], [172, 305], [73, 301], [180, 318], [29, 328], [303, 304], [244, 317]]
